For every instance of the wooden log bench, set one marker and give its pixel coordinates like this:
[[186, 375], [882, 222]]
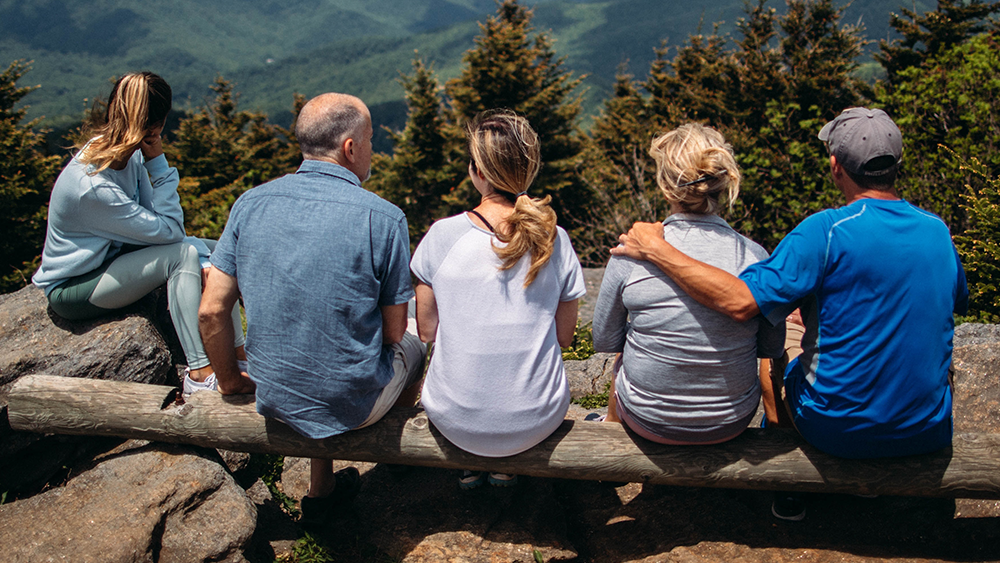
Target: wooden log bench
[[770, 459]]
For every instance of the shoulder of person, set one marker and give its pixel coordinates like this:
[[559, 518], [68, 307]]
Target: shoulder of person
[[449, 227]]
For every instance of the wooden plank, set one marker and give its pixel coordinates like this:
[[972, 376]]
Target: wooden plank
[[759, 459]]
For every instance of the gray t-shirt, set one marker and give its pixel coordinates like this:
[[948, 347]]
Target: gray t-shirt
[[316, 256], [688, 372]]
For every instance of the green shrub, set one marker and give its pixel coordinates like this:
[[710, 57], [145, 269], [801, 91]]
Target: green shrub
[[583, 343], [979, 246]]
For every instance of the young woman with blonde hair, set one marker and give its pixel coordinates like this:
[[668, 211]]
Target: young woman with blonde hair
[[116, 227], [686, 374], [497, 293]]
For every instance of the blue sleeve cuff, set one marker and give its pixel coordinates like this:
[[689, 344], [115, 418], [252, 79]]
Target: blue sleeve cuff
[[157, 166]]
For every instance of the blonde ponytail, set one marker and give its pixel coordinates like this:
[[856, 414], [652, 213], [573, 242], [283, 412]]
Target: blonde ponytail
[[138, 102], [506, 151], [694, 168]]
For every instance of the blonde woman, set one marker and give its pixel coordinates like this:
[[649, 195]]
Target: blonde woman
[[686, 374], [116, 228], [497, 292]]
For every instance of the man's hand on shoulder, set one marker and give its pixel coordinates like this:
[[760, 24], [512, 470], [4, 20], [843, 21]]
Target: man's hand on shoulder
[[640, 241]]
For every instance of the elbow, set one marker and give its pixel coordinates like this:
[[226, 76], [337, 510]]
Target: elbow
[[607, 341], [209, 314], [744, 313], [393, 335], [609, 345], [426, 337], [565, 341]]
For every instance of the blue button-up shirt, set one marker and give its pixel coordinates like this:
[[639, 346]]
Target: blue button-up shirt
[[316, 256]]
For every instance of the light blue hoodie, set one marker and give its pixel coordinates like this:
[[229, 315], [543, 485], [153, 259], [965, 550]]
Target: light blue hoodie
[[92, 215]]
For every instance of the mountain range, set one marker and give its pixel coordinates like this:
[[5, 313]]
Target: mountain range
[[272, 48]]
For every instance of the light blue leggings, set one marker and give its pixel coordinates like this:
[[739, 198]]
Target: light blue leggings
[[131, 276]]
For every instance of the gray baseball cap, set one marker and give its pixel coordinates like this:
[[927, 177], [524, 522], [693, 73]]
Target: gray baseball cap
[[859, 136]]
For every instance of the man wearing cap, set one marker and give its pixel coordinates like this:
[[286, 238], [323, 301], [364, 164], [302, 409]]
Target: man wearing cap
[[876, 281]]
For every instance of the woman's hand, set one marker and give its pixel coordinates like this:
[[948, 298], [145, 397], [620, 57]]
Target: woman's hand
[[151, 145]]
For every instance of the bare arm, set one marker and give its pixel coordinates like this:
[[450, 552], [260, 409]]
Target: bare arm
[[427, 313], [393, 323], [216, 326], [708, 285], [566, 322]]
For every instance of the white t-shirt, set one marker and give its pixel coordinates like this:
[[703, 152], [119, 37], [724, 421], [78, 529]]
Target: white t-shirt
[[496, 384]]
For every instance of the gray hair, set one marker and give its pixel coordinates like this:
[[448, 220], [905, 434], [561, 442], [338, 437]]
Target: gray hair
[[322, 127]]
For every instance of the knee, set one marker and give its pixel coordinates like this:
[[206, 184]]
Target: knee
[[183, 258]]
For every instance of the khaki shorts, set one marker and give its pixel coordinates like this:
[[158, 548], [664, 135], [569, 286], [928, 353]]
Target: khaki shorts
[[408, 368]]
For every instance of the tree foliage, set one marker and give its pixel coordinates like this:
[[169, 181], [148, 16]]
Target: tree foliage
[[425, 165], [221, 151], [949, 100], [508, 67], [931, 33], [979, 246], [26, 177], [769, 96]]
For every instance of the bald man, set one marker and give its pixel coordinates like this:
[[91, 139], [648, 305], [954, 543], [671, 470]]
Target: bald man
[[322, 265]]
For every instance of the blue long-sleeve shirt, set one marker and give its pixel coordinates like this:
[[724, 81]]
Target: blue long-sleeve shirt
[[92, 215]]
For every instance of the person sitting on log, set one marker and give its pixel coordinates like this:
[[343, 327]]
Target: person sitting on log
[[497, 293], [877, 282], [686, 374], [322, 266], [116, 227]]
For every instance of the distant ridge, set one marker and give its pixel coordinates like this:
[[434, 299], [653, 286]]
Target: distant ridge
[[271, 48]]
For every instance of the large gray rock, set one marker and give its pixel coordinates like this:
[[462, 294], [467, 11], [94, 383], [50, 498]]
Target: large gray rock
[[156, 502], [126, 346], [976, 365], [590, 376]]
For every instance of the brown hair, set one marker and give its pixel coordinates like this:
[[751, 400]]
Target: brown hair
[[138, 102], [699, 157], [506, 151]]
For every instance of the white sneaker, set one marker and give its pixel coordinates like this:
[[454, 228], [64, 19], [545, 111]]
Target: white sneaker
[[192, 386]]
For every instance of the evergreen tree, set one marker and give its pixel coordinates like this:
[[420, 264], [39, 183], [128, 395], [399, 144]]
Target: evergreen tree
[[26, 177], [979, 246], [789, 93], [769, 96], [932, 33], [220, 152], [618, 171], [948, 101], [426, 162], [510, 68]]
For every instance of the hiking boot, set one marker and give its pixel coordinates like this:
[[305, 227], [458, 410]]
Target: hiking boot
[[317, 510], [471, 479]]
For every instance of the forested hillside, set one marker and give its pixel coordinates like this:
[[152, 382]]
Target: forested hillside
[[271, 49]]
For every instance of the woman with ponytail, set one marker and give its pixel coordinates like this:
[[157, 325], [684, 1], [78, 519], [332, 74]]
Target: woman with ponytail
[[497, 293], [116, 228], [686, 374]]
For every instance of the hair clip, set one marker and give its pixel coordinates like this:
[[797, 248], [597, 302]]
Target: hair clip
[[700, 180], [519, 194]]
